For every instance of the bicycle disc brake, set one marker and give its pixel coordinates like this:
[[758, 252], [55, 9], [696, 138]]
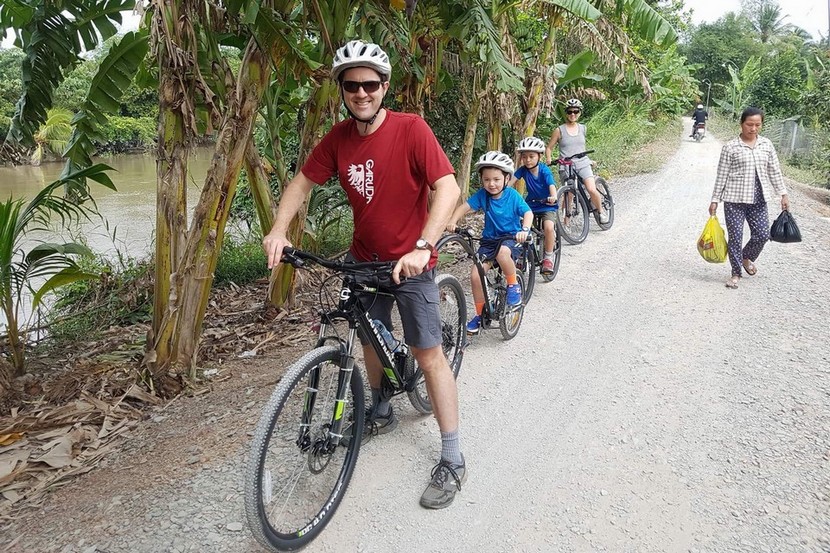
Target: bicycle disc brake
[[320, 453]]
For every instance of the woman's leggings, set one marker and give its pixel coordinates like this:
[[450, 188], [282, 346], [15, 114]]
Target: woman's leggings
[[758, 219]]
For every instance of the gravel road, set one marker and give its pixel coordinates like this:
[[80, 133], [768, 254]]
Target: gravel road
[[643, 407]]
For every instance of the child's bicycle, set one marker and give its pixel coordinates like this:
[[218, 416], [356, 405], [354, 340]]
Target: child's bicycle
[[494, 283], [536, 253], [299, 465], [575, 203]]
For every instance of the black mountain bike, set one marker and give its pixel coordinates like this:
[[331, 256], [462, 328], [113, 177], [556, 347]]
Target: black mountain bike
[[536, 253], [575, 203], [299, 465], [509, 318]]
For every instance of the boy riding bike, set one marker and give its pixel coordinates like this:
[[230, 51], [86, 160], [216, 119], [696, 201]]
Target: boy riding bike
[[505, 214], [387, 163], [541, 192]]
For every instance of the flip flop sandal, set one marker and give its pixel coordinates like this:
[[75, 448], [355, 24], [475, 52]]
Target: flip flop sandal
[[732, 282], [750, 268]]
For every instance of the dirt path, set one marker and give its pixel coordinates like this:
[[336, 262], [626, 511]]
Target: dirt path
[[642, 407]]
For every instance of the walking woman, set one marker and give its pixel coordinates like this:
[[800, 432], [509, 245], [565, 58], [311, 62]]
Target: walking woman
[[748, 172]]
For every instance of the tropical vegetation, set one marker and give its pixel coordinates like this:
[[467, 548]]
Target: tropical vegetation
[[251, 77]]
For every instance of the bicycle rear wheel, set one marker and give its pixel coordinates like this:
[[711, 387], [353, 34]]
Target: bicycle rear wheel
[[572, 215], [511, 318], [607, 203], [295, 477], [453, 307]]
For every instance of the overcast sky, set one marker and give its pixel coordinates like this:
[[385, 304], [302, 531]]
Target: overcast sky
[[810, 15]]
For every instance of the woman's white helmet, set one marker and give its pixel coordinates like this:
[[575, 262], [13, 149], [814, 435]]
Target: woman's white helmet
[[574, 103], [496, 159], [531, 144], [357, 53]]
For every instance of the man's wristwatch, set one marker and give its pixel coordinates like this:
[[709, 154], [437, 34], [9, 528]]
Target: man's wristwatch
[[422, 244]]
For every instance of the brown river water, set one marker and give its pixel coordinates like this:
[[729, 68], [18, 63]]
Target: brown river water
[[129, 211]]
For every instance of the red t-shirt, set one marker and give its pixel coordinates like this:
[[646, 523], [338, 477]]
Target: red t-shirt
[[387, 177]]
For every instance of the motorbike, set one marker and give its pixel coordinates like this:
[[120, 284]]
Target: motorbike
[[699, 132]]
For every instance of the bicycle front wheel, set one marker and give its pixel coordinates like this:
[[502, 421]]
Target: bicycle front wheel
[[572, 216], [557, 257], [511, 318], [530, 263], [453, 308], [607, 203], [295, 476]]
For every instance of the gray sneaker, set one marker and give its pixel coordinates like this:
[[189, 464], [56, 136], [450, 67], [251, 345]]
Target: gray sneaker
[[446, 482], [381, 425]]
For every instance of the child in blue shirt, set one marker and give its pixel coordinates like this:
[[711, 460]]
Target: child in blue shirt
[[541, 192], [505, 214]]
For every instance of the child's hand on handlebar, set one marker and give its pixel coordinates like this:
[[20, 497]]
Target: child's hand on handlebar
[[451, 227], [521, 236]]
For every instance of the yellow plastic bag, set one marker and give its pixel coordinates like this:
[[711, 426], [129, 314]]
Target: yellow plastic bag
[[712, 242]]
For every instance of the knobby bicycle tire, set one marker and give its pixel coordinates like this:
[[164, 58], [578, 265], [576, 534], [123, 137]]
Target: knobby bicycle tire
[[572, 215], [453, 307], [531, 262], [607, 203], [283, 512], [557, 257], [511, 318]]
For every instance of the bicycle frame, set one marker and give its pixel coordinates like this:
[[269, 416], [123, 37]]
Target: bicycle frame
[[574, 179], [350, 309]]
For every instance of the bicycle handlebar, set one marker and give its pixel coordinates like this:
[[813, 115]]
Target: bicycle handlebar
[[297, 258], [564, 160]]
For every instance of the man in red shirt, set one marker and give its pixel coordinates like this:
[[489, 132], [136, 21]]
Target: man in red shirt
[[387, 163]]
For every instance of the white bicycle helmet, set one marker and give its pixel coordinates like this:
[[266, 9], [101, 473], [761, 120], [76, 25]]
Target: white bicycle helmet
[[531, 144], [573, 103], [360, 54], [496, 159]]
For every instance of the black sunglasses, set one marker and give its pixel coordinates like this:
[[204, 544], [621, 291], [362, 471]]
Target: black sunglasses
[[367, 86], [572, 111]]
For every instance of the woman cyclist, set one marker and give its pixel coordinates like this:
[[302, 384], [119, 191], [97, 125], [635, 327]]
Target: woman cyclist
[[571, 140]]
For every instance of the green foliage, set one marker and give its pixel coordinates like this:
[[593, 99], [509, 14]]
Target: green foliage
[[53, 36], [121, 295], [29, 275], [714, 46], [124, 133], [779, 86], [240, 262], [53, 134]]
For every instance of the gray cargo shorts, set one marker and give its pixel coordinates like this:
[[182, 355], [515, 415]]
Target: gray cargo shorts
[[417, 299]]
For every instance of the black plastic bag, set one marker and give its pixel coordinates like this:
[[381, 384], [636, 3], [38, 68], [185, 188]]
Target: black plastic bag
[[784, 229]]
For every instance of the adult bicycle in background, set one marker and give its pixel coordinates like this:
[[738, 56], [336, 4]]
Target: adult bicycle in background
[[575, 205], [300, 465]]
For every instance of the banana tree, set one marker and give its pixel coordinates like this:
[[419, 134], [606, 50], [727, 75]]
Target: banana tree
[[47, 266]]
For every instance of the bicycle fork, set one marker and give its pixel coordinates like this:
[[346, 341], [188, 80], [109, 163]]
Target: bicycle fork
[[326, 443]]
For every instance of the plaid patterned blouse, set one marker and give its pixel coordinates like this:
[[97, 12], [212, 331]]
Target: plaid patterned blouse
[[738, 167]]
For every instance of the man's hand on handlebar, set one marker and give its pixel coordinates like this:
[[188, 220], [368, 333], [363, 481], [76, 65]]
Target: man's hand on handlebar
[[412, 264], [273, 244]]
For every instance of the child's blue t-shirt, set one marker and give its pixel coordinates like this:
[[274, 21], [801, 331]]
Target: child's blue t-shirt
[[502, 216], [537, 187]]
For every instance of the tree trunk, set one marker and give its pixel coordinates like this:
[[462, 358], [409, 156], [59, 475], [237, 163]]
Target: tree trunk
[[469, 141], [266, 207], [282, 282], [537, 82], [191, 284]]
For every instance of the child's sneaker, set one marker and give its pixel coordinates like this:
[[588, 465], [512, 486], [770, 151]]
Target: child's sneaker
[[514, 295], [474, 325], [547, 266]]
